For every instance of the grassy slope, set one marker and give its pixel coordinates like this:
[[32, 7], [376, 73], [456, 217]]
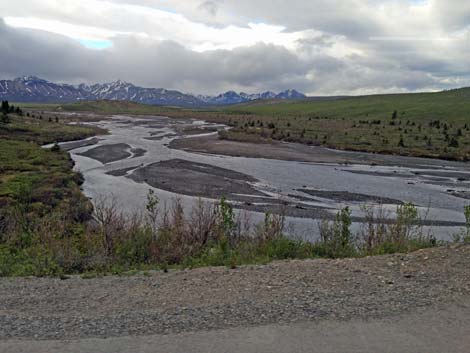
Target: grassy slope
[[452, 106], [42, 131], [365, 123], [36, 106], [29, 171]]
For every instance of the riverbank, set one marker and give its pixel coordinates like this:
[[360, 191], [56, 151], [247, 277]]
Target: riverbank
[[215, 298], [289, 151], [35, 181]]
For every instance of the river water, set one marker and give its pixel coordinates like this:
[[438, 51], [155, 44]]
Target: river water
[[423, 186]]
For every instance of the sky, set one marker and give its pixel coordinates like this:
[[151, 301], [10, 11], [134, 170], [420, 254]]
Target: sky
[[320, 47]]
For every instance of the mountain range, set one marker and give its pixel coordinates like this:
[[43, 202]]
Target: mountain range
[[34, 89]]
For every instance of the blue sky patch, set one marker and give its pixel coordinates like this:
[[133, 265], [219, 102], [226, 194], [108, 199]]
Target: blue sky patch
[[96, 44]]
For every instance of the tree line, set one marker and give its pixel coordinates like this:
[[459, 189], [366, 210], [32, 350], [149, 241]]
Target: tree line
[[8, 108]]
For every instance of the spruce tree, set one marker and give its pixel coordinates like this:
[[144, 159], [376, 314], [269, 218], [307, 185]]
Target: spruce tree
[[5, 107]]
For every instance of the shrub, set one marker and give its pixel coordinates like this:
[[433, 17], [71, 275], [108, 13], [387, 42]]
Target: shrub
[[336, 239], [464, 237], [152, 212], [401, 143], [5, 119], [284, 248], [210, 235], [453, 142], [36, 261], [382, 235], [226, 218]]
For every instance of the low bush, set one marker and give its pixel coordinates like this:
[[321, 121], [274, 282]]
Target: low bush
[[210, 235], [382, 233]]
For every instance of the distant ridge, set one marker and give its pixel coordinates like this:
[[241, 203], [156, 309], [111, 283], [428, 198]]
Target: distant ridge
[[34, 89]]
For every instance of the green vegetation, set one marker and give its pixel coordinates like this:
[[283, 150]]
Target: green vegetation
[[41, 131], [40, 180], [451, 106], [7, 108], [433, 125], [37, 188], [464, 237], [42, 177], [27, 170], [377, 236], [37, 106], [210, 235]]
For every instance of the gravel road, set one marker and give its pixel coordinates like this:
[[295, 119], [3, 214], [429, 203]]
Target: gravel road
[[281, 293], [434, 331]]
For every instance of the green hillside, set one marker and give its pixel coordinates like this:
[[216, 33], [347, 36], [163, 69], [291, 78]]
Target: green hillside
[[453, 106], [432, 125]]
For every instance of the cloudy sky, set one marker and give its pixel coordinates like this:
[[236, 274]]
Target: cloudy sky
[[321, 47]]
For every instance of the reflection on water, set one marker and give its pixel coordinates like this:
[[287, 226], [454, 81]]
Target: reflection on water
[[147, 139]]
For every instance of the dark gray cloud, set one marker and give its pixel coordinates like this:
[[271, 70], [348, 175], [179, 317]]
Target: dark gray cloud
[[44, 54], [165, 63]]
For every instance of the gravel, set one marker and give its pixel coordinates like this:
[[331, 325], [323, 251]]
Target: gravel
[[108, 153], [212, 298], [195, 179], [349, 196], [69, 146]]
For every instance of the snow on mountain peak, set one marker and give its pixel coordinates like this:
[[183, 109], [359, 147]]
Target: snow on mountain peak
[[34, 89]]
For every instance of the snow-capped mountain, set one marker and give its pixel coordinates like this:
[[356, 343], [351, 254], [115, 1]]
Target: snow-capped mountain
[[230, 97], [264, 95], [290, 94], [120, 90], [33, 89]]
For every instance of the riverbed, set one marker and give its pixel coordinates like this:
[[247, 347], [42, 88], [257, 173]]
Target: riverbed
[[147, 152]]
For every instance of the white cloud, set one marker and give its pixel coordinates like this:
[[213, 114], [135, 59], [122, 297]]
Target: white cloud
[[67, 29], [156, 24]]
